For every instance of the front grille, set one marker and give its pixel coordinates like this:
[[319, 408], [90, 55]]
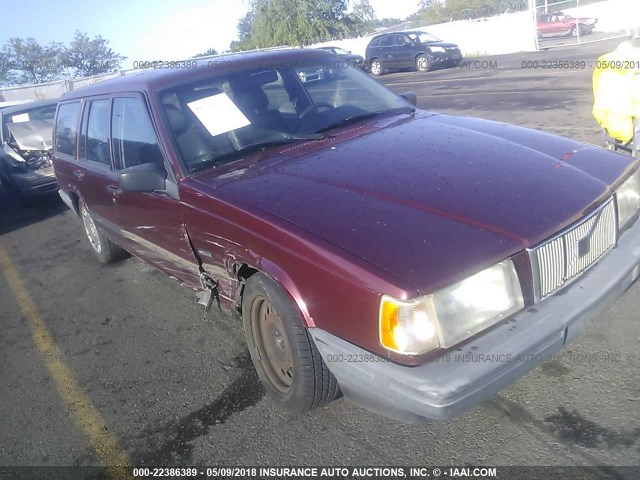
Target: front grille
[[567, 255]]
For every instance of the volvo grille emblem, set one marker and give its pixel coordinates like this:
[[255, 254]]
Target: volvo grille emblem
[[584, 244]]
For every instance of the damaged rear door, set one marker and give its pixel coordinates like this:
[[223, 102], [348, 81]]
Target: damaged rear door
[[150, 222]]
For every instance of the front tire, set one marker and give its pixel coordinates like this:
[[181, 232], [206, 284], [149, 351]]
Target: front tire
[[283, 353], [105, 249]]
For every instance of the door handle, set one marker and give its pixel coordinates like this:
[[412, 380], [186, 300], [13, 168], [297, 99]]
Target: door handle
[[78, 174], [113, 189]]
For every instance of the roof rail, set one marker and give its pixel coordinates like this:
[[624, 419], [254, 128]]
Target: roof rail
[[265, 49]]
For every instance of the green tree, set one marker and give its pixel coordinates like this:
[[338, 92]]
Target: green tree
[[4, 67], [364, 12], [436, 11], [85, 57], [293, 22], [26, 61], [210, 52]]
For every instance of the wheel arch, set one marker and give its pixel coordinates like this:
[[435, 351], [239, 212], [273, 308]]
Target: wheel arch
[[244, 271]]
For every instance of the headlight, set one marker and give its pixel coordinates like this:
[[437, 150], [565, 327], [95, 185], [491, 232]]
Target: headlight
[[628, 200], [437, 49], [452, 314]]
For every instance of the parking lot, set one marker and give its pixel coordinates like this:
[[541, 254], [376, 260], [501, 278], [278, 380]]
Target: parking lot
[[122, 353]]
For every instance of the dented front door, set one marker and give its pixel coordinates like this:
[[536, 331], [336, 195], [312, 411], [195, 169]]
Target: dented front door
[[151, 222]]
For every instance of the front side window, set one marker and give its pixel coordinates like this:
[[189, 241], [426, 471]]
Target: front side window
[[66, 128], [399, 40], [94, 139], [134, 141]]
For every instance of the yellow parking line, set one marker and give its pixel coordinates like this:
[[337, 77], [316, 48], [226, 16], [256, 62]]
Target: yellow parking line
[[77, 401]]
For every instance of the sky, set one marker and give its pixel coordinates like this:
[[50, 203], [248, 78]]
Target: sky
[[145, 29]]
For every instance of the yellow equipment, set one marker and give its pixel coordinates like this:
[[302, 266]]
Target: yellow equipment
[[616, 91]]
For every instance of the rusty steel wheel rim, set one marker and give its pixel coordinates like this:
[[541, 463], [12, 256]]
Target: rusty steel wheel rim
[[272, 344]]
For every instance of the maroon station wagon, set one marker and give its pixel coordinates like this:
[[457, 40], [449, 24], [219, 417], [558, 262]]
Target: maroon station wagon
[[413, 261]]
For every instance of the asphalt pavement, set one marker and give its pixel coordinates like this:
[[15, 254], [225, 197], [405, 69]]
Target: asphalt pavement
[[170, 387]]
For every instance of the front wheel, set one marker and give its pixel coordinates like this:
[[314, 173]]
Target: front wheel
[[283, 353], [105, 249]]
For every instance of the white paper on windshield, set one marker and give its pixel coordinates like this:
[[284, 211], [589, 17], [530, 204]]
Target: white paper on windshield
[[218, 114], [21, 117]]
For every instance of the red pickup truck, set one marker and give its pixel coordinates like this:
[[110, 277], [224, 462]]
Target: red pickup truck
[[558, 24]]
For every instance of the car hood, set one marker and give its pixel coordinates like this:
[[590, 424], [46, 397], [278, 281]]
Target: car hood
[[445, 45], [32, 135], [430, 199]]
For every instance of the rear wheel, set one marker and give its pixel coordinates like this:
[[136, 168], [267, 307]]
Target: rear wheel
[[423, 63], [574, 31], [105, 249], [283, 353], [376, 67]]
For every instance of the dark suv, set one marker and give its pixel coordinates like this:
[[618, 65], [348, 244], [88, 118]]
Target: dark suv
[[410, 49]]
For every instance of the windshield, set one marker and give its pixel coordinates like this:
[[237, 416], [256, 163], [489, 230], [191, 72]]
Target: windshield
[[221, 119], [44, 113], [423, 37]]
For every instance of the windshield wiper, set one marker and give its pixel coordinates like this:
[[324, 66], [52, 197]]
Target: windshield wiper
[[254, 147], [364, 116]]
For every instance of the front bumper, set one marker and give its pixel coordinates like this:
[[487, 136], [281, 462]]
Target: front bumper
[[33, 184], [446, 59], [460, 379]]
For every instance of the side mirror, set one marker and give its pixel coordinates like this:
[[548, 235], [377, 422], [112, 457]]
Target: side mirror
[[410, 97], [147, 177]]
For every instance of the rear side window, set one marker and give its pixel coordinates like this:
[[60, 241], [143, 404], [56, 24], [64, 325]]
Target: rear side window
[[66, 128], [94, 139], [134, 140]]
